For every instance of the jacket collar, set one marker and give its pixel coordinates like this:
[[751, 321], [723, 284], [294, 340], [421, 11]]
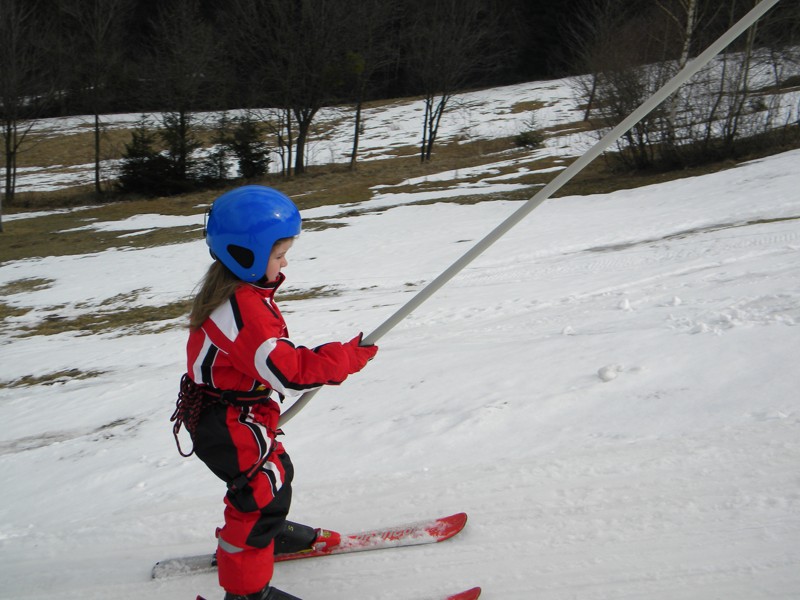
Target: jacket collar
[[268, 288]]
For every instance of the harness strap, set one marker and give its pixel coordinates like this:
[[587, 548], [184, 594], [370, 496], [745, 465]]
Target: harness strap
[[235, 397], [193, 399]]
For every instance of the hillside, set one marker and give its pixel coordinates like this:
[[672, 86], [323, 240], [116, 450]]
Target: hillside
[[610, 391]]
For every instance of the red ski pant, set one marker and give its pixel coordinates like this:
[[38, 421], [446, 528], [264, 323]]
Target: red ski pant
[[245, 543], [234, 441]]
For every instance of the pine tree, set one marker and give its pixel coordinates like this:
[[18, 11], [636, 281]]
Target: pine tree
[[144, 169]]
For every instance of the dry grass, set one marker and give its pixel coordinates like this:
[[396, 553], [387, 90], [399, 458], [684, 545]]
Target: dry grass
[[528, 105], [119, 320], [46, 149], [59, 234], [7, 312], [19, 286], [116, 315], [26, 284], [51, 378]]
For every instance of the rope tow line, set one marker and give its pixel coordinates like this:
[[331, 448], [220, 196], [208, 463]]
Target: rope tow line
[[670, 87]]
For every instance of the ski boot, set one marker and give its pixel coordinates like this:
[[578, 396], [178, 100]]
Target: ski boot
[[295, 537], [326, 539]]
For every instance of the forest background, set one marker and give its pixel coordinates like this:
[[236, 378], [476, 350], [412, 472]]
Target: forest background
[[179, 58]]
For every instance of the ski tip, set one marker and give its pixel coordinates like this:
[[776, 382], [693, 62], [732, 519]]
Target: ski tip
[[470, 594], [458, 519], [456, 522]]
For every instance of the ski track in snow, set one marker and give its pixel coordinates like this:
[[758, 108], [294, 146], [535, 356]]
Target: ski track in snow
[[610, 393]]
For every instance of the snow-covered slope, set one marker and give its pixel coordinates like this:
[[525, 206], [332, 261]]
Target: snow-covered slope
[[611, 392]]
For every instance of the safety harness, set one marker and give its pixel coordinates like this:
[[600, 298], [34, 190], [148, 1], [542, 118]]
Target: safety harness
[[193, 399]]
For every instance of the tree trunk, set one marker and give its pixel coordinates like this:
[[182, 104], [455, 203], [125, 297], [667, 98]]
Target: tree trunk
[[590, 102], [10, 154], [289, 142], [688, 38], [97, 187], [423, 151], [356, 134]]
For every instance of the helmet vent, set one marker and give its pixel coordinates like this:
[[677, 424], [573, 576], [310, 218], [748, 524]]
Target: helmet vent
[[242, 255]]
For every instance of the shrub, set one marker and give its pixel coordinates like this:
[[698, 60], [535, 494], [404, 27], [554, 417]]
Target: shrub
[[531, 137], [250, 151], [144, 169], [215, 167]]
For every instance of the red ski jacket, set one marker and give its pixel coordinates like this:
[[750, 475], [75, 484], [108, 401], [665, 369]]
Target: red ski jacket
[[244, 346]]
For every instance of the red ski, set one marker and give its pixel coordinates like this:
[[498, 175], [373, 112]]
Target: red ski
[[412, 534], [471, 594]]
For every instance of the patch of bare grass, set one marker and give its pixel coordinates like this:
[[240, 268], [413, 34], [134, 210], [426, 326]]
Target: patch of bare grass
[[315, 292], [131, 320], [19, 286], [528, 106], [112, 317], [26, 284], [56, 377], [8, 312], [46, 149], [64, 233]]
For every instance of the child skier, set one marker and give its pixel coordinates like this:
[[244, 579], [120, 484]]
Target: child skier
[[240, 364]]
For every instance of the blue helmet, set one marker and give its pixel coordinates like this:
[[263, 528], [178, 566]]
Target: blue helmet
[[245, 223]]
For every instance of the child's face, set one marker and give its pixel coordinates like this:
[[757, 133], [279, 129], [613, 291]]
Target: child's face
[[277, 259]]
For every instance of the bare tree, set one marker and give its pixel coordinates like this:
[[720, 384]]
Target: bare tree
[[278, 123], [591, 35], [725, 108], [684, 14], [310, 56], [296, 52], [447, 42], [627, 57], [711, 115], [781, 33], [98, 39], [24, 84], [373, 47]]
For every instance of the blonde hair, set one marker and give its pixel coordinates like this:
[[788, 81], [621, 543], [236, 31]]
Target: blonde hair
[[218, 285]]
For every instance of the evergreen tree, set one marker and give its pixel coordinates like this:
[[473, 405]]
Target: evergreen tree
[[249, 149], [144, 169]]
